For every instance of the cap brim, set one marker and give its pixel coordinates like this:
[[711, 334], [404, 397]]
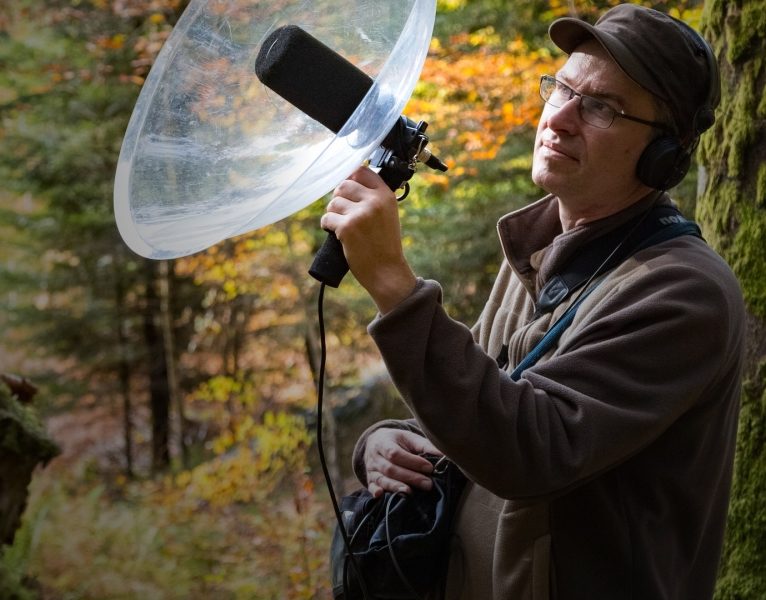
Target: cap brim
[[568, 33]]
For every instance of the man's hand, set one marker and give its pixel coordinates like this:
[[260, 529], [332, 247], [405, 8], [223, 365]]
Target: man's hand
[[364, 215], [393, 463]]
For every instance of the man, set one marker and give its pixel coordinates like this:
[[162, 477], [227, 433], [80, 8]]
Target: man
[[603, 472]]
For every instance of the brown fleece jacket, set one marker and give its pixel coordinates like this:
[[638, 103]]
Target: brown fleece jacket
[[604, 472]]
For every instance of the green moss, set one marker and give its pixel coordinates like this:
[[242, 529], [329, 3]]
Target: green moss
[[11, 583], [21, 431], [22, 434], [748, 258], [732, 214], [738, 131], [742, 574], [760, 186], [731, 210], [745, 26]]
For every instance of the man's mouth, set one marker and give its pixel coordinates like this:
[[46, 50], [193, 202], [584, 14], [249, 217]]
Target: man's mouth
[[557, 149]]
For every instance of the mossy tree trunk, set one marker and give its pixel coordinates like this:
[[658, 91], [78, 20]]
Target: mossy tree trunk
[[24, 445], [732, 212]]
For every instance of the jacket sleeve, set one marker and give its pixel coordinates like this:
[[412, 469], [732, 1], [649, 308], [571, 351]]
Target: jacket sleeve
[[636, 361]]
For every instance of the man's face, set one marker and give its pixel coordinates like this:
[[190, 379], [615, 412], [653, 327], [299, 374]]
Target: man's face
[[592, 170]]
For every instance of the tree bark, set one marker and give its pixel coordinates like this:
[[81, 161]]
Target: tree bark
[[159, 393], [24, 445], [123, 370], [732, 212], [167, 273]]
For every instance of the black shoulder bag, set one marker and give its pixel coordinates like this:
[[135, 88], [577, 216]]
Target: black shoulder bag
[[399, 542]]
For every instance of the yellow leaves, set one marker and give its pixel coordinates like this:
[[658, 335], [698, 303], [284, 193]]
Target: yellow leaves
[[254, 450], [230, 289], [222, 443], [250, 264], [183, 478], [254, 459], [449, 5], [483, 37], [222, 389], [692, 15]]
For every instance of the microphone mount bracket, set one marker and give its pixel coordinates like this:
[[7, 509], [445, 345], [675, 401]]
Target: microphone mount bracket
[[401, 150], [396, 160]]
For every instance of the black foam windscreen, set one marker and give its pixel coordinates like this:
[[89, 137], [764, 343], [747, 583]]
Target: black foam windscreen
[[311, 76]]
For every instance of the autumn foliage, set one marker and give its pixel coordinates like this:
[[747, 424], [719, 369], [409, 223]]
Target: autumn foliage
[[481, 89]]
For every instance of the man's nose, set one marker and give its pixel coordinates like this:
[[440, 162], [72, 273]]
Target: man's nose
[[567, 116]]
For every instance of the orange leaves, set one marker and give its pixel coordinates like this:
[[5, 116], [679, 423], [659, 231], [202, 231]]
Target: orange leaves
[[477, 90], [111, 42]]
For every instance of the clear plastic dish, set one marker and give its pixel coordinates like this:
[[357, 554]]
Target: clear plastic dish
[[211, 153]]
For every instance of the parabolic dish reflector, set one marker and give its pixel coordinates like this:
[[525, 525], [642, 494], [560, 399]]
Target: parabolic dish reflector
[[211, 153]]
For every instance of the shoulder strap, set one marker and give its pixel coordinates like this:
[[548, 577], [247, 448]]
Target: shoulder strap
[[659, 223], [671, 225], [550, 337]]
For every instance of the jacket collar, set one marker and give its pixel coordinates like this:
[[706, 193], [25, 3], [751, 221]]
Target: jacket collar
[[535, 245]]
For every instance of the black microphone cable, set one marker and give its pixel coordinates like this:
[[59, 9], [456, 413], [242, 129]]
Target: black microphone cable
[[320, 442]]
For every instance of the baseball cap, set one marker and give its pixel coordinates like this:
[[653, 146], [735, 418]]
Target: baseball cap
[[660, 53]]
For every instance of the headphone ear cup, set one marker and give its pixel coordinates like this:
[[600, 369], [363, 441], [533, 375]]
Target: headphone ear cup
[[663, 163], [703, 120]]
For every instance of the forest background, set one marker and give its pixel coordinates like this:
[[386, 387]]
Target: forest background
[[181, 394]]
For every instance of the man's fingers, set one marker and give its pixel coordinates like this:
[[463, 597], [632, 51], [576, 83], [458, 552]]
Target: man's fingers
[[388, 484], [367, 177], [417, 443], [392, 474], [331, 221], [348, 188], [408, 460], [340, 205], [409, 476], [375, 490], [381, 483], [393, 462]]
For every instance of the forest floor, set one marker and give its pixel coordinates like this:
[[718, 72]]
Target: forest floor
[[91, 533]]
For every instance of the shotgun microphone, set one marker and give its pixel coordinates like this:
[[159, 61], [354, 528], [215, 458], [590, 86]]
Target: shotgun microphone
[[311, 76], [328, 88]]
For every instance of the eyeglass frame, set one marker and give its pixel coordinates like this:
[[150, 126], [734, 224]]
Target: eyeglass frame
[[573, 93]]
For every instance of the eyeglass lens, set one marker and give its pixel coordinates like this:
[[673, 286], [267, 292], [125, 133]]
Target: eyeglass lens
[[592, 111]]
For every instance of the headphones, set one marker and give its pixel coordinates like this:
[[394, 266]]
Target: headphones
[[665, 161]]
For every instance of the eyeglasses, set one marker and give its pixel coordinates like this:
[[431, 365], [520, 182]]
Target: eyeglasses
[[592, 110]]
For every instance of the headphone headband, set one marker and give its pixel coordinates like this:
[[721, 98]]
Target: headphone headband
[[665, 161]]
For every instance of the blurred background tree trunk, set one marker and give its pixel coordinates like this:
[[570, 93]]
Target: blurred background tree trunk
[[159, 388], [167, 316], [732, 212]]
